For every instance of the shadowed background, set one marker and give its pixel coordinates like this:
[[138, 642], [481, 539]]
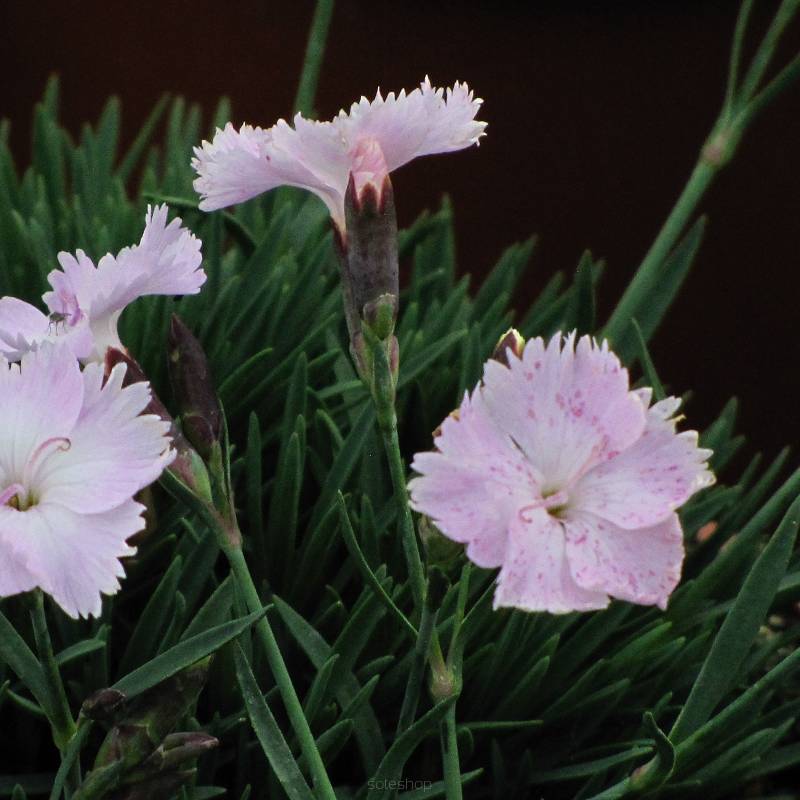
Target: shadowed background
[[596, 113]]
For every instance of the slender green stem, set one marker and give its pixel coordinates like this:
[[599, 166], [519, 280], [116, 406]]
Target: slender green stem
[[450, 760], [391, 443], [59, 714], [277, 665], [456, 650], [647, 275], [369, 576], [766, 50], [737, 113], [383, 395], [416, 676], [315, 50], [736, 55], [782, 81]]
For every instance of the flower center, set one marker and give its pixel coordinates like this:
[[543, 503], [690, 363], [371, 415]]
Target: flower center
[[554, 502], [16, 497]]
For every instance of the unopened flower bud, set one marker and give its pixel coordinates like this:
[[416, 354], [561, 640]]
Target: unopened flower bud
[[135, 374], [103, 705], [187, 467], [139, 748], [510, 340], [173, 753], [201, 416]]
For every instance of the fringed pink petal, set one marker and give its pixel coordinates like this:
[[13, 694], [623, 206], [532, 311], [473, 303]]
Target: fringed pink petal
[[568, 407], [642, 566], [73, 557], [112, 449], [644, 484], [535, 575], [474, 484]]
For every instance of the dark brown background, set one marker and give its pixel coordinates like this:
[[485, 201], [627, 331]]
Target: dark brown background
[[596, 113]]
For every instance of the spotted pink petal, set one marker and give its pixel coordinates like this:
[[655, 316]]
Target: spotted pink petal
[[373, 139], [643, 485], [642, 565], [474, 484], [112, 448], [536, 575], [73, 557], [566, 407]]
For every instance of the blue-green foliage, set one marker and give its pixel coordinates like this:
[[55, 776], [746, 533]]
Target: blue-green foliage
[[552, 706]]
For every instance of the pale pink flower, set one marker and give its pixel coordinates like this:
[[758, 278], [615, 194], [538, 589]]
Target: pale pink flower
[[556, 472], [86, 301], [73, 452], [374, 139]]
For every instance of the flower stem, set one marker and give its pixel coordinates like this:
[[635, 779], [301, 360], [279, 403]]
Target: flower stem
[[383, 395], [391, 444], [450, 760], [766, 50], [647, 275], [739, 109], [283, 680], [416, 675], [59, 714], [315, 50]]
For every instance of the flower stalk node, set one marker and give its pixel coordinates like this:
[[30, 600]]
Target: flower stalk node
[[719, 148], [444, 682], [380, 315]]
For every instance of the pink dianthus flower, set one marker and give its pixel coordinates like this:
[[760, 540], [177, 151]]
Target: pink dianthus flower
[[374, 139], [73, 452], [558, 473]]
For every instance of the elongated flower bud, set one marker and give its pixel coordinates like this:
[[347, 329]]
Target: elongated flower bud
[[201, 417], [369, 258], [187, 467]]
